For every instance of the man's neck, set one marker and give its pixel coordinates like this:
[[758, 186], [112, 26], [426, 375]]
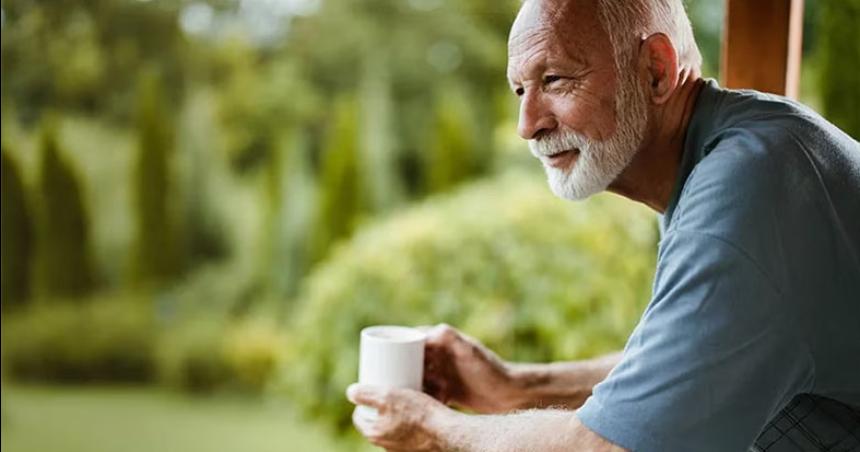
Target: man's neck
[[650, 177]]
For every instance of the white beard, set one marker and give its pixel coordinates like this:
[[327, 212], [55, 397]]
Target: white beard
[[599, 162]]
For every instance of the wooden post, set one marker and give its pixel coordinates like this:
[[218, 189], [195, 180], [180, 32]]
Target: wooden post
[[762, 42]]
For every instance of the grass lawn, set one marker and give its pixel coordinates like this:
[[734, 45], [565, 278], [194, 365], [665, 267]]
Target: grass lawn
[[52, 419]]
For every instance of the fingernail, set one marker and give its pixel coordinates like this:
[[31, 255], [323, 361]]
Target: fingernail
[[350, 392]]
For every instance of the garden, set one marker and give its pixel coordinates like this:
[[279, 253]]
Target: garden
[[205, 201]]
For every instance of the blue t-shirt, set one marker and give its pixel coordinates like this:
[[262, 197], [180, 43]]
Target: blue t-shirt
[[757, 293]]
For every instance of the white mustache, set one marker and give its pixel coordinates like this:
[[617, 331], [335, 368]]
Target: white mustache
[[564, 140]]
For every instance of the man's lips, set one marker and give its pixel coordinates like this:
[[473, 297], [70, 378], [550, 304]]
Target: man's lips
[[563, 159]]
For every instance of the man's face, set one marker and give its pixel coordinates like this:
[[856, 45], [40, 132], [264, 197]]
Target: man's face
[[583, 118]]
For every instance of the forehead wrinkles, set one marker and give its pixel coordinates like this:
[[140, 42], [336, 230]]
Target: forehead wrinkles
[[535, 17], [551, 27], [528, 46]]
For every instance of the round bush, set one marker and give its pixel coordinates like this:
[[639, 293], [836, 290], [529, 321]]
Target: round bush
[[191, 356], [534, 277], [106, 339], [204, 355], [254, 351]]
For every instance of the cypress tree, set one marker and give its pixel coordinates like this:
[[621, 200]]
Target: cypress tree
[[65, 267], [16, 227], [451, 158], [341, 201], [155, 253]]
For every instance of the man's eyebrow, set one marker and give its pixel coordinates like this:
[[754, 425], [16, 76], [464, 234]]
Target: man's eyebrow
[[569, 62], [528, 71]]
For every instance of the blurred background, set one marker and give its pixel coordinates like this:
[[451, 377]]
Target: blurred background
[[203, 202]]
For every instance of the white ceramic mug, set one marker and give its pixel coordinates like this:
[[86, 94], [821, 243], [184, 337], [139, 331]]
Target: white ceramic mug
[[390, 357]]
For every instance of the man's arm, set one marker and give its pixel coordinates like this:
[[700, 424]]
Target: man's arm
[[413, 421], [544, 430], [559, 384], [460, 371]]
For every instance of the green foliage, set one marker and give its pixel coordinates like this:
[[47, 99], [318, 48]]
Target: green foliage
[[85, 55], [451, 158], [707, 18], [106, 339], [535, 278], [209, 341], [258, 98], [16, 227], [190, 357], [64, 262], [406, 55], [205, 355], [254, 353], [155, 254], [217, 292], [341, 203], [197, 347], [840, 50]]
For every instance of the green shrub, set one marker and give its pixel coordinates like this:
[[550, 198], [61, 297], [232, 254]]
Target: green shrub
[[105, 339], [209, 342], [191, 357], [212, 292], [534, 277], [254, 352], [204, 355]]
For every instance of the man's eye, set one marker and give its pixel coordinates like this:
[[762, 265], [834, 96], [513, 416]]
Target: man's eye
[[550, 78]]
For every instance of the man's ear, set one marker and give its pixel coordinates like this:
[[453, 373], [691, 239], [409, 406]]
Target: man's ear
[[660, 62]]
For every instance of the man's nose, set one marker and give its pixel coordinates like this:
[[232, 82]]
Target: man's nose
[[535, 118]]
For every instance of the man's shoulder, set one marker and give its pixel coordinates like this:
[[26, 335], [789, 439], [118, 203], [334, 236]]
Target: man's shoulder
[[752, 189], [766, 181], [766, 113], [743, 176], [764, 154]]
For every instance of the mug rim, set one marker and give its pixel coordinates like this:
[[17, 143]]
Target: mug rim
[[405, 334]]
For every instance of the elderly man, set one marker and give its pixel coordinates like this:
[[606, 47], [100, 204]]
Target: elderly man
[[752, 337]]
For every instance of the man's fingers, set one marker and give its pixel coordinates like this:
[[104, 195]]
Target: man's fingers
[[362, 423], [361, 394], [444, 339], [441, 334], [434, 355], [369, 428], [436, 388]]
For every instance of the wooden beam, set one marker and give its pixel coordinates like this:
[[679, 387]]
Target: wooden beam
[[762, 42]]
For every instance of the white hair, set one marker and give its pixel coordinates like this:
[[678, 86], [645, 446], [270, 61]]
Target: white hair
[[628, 21], [600, 162]]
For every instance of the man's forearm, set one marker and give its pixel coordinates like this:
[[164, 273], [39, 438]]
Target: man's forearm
[[544, 430], [562, 384]]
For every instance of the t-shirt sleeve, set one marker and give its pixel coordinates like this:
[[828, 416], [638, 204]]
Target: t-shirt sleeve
[[712, 359]]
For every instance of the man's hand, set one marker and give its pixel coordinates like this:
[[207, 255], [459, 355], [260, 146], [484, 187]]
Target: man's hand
[[408, 420], [459, 370], [415, 422]]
